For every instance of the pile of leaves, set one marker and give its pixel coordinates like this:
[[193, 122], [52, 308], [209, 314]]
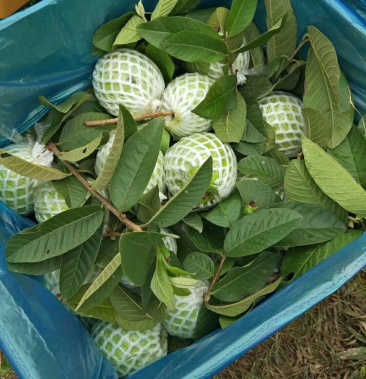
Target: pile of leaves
[[249, 245]]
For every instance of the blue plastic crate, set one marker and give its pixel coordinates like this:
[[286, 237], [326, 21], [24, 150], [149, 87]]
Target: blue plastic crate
[[46, 51]]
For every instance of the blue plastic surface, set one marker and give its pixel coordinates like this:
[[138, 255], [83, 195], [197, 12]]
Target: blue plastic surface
[[39, 335], [47, 51]]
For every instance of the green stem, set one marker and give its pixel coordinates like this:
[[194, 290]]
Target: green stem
[[215, 278], [303, 42], [121, 216]]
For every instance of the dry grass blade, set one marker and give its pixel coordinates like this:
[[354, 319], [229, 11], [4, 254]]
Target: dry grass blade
[[327, 342]]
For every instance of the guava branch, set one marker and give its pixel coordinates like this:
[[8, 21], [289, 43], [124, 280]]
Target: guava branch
[[112, 121], [215, 278], [121, 216]]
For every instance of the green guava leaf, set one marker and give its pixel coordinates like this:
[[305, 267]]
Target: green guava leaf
[[333, 179], [111, 162], [257, 194], [61, 112], [316, 126], [194, 220], [75, 134], [102, 286], [77, 264], [163, 8], [200, 265], [227, 212], [209, 240], [161, 285], [240, 16], [231, 126], [285, 42], [186, 199], [350, 154], [317, 226], [235, 309], [81, 152], [163, 60], [128, 305], [36, 268], [184, 6], [148, 205], [128, 33], [263, 38], [138, 253], [70, 188], [300, 186], [322, 89], [55, 236], [259, 230], [29, 169], [106, 34], [267, 170], [191, 46], [240, 282], [220, 99], [218, 20], [297, 261], [161, 29], [103, 311], [257, 55], [136, 165]]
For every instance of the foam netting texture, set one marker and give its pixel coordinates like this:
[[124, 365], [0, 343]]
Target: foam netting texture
[[16, 190], [240, 66], [129, 351], [182, 320], [181, 96], [186, 156], [48, 202], [130, 78], [284, 113]]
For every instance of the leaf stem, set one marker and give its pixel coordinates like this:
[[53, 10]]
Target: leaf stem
[[112, 121], [303, 42], [215, 278], [121, 216]]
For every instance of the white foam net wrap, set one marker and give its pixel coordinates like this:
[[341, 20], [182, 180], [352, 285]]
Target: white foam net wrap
[[185, 157], [169, 242], [284, 113], [16, 191], [240, 66], [181, 96], [130, 351], [51, 281], [181, 322], [130, 78], [48, 202]]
